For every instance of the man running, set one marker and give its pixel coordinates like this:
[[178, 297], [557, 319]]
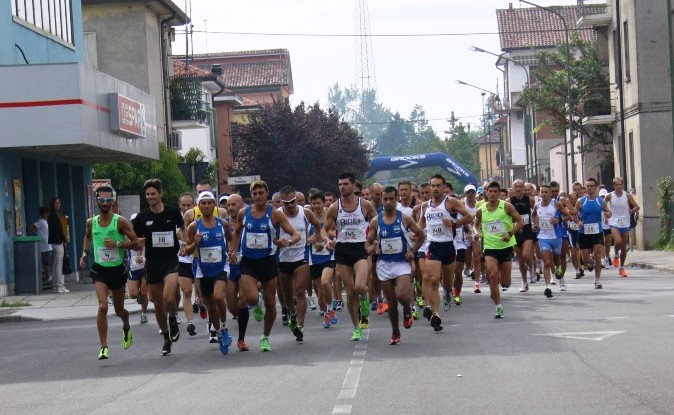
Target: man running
[[622, 206], [524, 249], [106, 233], [473, 244], [158, 225], [395, 255], [496, 222], [209, 235], [350, 216], [185, 268], [321, 261], [256, 233], [590, 233], [440, 256]]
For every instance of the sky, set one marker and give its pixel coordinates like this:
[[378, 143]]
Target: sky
[[409, 70]]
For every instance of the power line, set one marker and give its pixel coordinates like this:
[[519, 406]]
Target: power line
[[415, 121], [514, 32]]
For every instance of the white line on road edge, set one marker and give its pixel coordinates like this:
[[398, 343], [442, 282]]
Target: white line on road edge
[[341, 409], [584, 335], [350, 385]]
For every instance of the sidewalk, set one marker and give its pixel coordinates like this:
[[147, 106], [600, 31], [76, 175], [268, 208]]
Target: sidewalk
[[81, 300]]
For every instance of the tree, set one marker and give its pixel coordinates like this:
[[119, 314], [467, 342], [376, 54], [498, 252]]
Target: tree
[[463, 148], [195, 155], [589, 92], [304, 147], [128, 177]]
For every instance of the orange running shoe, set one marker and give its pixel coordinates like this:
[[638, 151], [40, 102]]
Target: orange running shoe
[[622, 272], [616, 262], [385, 307], [380, 308], [241, 344], [395, 338]]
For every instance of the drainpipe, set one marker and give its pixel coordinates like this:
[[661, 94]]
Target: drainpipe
[[671, 60], [621, 96], [165, 75]]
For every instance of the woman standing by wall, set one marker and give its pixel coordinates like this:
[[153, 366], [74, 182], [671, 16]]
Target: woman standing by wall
[[57, 239]]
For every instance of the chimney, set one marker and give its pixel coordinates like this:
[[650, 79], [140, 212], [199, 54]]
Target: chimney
[[216, 70]]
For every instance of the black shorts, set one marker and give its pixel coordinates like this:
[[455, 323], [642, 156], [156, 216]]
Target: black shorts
[[441, 251], [607, 232], [573, 238], [526, 234], [157, 269], [47, 260], [348, 253], [633, 221], [501, 255], [262, 269], [589, 241], [185, 270], [288, 268], [460, 255], [136, 274], [316, 270], [113, 277], [207, 284]]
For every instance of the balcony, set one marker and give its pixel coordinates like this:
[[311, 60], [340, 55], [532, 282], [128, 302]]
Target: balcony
[[593, 15], [597, 109], [190, 104]]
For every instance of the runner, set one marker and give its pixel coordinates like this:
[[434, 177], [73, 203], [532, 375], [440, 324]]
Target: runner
[[209, 235], [524, 250], [473, 243], [591, 238], [379, 302], [256, 231], [496, 222], [106, 234], [137, 282], [572, 225], [158, 225], [350, 216], [406, 205], [622, 206], [185, 271], [440, 227], [393, 264]]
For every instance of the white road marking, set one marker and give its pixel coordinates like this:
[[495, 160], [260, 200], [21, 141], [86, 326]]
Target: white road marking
[[584, 335], [360, 352], [361, 346], [341, 409], [350, 385], [357, 361]]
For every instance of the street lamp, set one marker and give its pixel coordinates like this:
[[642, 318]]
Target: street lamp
[[568, 94], [500, 56]]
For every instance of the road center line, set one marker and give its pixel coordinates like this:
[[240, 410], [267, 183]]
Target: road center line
[[350, 385], [341, 409]]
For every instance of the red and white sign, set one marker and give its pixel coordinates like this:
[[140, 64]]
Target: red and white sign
[[127, 117]]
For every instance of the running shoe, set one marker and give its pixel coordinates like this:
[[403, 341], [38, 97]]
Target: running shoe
[[326, 322], [446, 301], [174, 330], [127, 338], [143, 318], [562, 285], [457, 300], [292, 322], [553, 282], [407, 319], [334, 304], [598, 285], [428, 313], [311, 301], [364, 322], [333, 317], [483, 279], [202, 312], [104, 353], [380, 308], [415, 313], [191, 328], [166, 349], [579, 274], [436, 322], [466, 272], [357, 334], [395, 338], [258, 313], [616, 262], [385, 307], [499, 312], [195, 308], [524, 288], [242, 345], [340, 305], [213, 336], [284, 318], [590, 268], [476, 288], [373, 306], [548, 292], [420, 301], [264, 344], [504, 288], [365, 306], [299, 333], [179, 320], [622, 272], [224, 340]]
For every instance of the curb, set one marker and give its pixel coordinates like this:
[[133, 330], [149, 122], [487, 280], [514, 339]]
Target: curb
[[643, 265], [17, 319]]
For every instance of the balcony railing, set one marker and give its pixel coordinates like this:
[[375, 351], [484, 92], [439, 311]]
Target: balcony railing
[[190, 105]]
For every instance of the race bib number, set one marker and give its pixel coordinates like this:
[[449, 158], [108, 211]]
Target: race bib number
[[437, 230], [390, 246], [495, 227], [459, 233], [525, 219], [620, 221], [106, 255], [545, 224], [323, 251], [591, 228], [162, 239], [210, 255], [354, 235], [573, 226], [257, 240]]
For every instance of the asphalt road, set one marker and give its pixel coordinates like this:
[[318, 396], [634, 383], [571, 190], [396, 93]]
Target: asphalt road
[[583, 351]]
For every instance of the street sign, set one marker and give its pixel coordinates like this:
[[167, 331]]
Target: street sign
[[233, 181]]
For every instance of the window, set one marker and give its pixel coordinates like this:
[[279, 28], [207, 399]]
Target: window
[[52, 16], [616, 58], [632, 172], [626, 49]]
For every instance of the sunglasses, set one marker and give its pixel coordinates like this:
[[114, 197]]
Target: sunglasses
[[289, 202], [106, 199]]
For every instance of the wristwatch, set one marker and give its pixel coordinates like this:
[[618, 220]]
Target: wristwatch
[[119, 244]]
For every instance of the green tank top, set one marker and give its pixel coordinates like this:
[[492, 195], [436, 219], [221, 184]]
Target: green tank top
[[107, 257], [494, 225]]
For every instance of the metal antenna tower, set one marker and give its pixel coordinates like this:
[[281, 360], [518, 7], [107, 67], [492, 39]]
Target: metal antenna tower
[[366, 79]]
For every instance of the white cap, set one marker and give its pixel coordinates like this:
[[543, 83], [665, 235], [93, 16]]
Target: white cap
[[469, 187], [603, 192], [223, 197], [205, 196]]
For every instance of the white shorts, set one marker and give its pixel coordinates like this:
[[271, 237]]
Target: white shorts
[[387, 270]]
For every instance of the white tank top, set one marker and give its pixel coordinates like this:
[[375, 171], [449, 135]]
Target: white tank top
[[436, 230], [460, 239], [296, 251], [620, 211], [350, 225], [424, 246], [545, 216], [405, 209]]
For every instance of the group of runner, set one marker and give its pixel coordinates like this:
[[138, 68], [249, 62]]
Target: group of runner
[[383, 245]]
